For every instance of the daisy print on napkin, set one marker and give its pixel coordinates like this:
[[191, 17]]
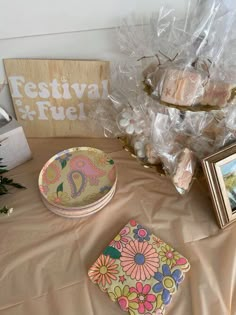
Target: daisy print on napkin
[[139, 271]]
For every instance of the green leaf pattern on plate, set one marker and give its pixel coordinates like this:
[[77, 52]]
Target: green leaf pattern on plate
[[63, 163], [60, 188]]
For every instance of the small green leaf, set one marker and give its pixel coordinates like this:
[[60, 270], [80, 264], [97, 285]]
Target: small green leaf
[[4, 210], [19, 186], [60, 188], [63, 163], [3, 171], [112, 252], [6, 181], [111, 162], [3, 190]]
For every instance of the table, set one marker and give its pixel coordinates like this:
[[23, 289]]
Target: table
[[44, 258]]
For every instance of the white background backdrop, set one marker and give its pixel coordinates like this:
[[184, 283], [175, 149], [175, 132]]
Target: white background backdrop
[[66, 29]]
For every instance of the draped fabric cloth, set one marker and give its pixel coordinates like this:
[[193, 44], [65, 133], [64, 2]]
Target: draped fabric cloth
[[44, 258]]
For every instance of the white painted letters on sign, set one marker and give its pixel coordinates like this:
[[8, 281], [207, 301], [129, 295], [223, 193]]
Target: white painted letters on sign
[[22, 89], [48, 92]]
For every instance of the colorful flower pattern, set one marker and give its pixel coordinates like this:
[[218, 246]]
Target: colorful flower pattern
[[168, 255], [75, 171], [125, 298], [144, 299], [66, 157], [141, 234], [102, 160], [157, 241], [59, 197], [139, 271], [167, 282], [104, 270], [139, 260], [121, 239]]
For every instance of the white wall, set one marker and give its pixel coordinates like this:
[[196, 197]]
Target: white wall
[[66, 29]]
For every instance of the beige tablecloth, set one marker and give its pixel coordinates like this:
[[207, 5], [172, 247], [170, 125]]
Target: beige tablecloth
[[44, 258]]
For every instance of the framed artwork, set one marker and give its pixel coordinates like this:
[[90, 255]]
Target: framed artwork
[[220, 172]]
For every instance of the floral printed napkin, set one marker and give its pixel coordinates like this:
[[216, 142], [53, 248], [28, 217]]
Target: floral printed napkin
[[139, 271]]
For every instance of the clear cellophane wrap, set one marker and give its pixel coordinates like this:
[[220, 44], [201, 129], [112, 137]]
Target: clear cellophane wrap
[[173, 98]]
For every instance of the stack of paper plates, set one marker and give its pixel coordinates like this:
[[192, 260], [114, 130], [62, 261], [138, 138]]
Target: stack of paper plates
[[78, 182]]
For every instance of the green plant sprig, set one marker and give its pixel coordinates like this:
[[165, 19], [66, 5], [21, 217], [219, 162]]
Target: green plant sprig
[[5, 183], [6, 210]]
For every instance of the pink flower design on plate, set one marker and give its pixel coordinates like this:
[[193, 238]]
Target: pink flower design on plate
[[121, 239], [51, 174], [43, 189], [139, 260], [144, 299]]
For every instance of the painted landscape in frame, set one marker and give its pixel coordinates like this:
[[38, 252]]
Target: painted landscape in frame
[[220, 172], [229, 176]]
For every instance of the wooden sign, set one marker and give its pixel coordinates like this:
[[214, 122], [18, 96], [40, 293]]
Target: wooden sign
[[52, 98]]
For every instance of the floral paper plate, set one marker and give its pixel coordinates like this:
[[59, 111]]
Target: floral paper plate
[[73, 214], [77, 178]]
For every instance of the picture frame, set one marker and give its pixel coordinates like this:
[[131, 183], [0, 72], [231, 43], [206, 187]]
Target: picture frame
[[220, 172]]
